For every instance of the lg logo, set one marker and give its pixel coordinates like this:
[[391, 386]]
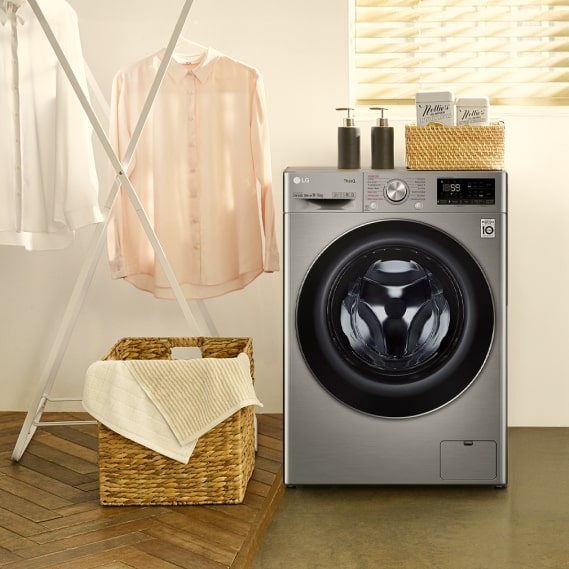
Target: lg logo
[[298, 180], [488, 228]]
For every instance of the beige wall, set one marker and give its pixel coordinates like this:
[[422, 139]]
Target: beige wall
[[301, 49]]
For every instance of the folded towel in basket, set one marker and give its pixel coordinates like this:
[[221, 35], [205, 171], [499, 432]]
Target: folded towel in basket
[[166, 405]]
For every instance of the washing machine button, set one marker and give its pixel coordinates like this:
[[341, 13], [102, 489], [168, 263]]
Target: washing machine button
[[396, 191]]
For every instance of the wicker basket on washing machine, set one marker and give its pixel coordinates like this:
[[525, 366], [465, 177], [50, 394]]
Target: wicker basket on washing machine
[[464, 147]]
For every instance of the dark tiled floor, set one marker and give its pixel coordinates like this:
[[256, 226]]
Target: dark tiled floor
[[525, 526]]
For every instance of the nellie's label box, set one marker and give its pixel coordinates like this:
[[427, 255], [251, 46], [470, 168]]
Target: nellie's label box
[[472, 110], [435, 107]]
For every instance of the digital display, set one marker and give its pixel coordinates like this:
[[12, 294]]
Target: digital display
[[466, 191]]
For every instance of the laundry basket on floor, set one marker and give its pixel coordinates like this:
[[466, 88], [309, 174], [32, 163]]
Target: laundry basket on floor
[[220, 466]]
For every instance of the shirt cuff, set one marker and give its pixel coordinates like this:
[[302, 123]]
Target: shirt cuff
[[84, 216]]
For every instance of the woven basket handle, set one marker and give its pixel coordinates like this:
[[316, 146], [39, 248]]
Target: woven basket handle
[[161, 348]]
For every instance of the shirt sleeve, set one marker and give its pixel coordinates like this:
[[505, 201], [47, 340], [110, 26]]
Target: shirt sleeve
[[76, 184], [262, 164], [119, 137]]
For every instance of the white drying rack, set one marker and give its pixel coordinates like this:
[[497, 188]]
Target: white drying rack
[[203, 321]]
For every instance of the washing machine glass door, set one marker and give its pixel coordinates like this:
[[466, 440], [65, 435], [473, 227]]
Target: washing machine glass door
[[395, 318]]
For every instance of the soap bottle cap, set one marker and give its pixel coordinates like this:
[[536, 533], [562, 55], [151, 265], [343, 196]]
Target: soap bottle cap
[[381, 121], [349, 120]]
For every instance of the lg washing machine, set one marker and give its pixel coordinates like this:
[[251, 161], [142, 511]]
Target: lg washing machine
[[395, 327]]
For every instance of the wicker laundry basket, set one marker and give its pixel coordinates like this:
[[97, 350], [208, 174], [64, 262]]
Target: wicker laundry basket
[[221, 464], [455, 147]]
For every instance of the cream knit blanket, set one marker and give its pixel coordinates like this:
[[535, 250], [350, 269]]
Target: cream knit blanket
[[167, 405]]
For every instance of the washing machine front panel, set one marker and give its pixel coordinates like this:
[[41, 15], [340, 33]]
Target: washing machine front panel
[[340, 262], [395, 318], [327, 442]]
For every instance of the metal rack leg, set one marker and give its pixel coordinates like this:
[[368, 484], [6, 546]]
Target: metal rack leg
[[28, 430], [61, 342], [33, 421]]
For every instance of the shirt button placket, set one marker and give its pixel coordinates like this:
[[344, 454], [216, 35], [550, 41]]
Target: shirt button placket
[[16, 116], [193, 187]]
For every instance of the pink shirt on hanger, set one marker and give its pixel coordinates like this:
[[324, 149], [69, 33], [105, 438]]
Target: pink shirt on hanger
[[202, 172]]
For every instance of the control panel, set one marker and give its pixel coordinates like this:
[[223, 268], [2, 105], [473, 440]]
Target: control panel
[[466, 191], [381, 189], [397, 191]]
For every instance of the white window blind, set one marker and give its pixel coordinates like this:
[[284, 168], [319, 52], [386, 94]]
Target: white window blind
[[514, 51]]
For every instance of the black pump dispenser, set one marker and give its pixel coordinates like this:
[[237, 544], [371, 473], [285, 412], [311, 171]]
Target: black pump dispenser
[[382, 142], [348, 142]]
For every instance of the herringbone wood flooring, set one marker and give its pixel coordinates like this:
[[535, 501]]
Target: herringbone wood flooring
[[50, 514]]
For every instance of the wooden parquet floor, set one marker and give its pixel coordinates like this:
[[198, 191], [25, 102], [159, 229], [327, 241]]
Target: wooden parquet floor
[[50, 516]]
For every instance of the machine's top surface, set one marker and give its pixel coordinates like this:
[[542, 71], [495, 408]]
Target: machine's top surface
[[399, 190]]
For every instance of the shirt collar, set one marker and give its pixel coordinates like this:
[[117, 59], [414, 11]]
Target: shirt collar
[[5, 13], [202, 70]]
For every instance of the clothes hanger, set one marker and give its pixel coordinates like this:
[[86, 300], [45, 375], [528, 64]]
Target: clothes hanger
[[15, 3], [187, 51]]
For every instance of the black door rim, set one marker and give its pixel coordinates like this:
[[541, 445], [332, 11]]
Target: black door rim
[[407, 392]]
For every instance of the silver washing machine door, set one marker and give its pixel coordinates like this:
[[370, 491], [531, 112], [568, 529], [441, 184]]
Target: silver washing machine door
[[395, 318]]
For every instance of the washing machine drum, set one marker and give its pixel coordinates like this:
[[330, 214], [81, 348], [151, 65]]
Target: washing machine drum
[[395, 318]]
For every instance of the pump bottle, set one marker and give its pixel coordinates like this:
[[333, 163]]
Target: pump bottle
[[348, 142], [382, 139]]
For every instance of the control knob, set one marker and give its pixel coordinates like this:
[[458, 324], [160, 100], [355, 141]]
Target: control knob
[[396, 191]]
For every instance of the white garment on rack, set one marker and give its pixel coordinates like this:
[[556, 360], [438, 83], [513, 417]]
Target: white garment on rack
[[48, 178], [11, 4], [202, 172]]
